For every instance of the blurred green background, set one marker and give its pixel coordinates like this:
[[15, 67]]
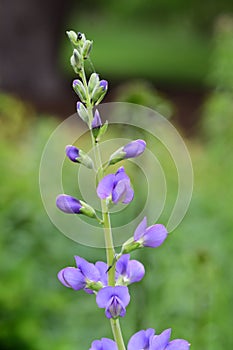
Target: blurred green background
[[173, 56]]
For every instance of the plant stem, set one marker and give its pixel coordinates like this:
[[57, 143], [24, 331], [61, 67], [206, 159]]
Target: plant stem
[[109, 246]]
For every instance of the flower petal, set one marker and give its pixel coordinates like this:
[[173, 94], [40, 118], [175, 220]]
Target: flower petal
[[140, 340], [68, 204], [178, 344], [155, 235], [73, 278], [103, 344], [134, 149], [140, 230], [72, 153], [160, 341], [105, 186], [88, 269], [122, 264], [135, 271], [102, 267]]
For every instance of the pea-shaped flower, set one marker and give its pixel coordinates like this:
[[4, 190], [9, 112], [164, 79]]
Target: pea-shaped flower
[[84, 276], [116, 187], [152, 236], [148, 340], [114, 300], [128, 271], [133, 149], [103, 344]]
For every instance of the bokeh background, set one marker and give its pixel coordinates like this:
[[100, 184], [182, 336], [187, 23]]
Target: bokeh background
[[173, 56]]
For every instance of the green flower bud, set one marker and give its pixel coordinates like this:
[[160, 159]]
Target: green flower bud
[[87, 46], [82, 112], [72, 36], [93, 82], [99, 92], [76, 61], [79, 89]]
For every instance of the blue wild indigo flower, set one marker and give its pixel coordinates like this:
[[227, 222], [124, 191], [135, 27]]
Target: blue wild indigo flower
[[128, 271], [133, 149], [148, 340], [84, 276], [152, 236], [116, 187], [114, 300], [103, 344]]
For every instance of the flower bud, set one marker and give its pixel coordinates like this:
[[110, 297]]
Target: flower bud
[[93, 82], [71, 205], [82, 112], [96, 122], [99, 92], [79, 89], [72, 36], [76, 61], [87, 46], [132, 150], [78, 156]]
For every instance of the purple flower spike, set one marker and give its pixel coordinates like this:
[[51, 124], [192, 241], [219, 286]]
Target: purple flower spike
[[129, 271], [68, 204], [152, 236], [116, 187], [147, 340], [134, 148], [79, 277], [96, 122], [114, 300], [72, 153], [103, 344]]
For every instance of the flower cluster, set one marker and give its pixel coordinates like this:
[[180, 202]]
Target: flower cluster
[[109, 281]]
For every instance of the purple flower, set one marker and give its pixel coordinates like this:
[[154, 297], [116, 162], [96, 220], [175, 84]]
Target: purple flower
[[114, 300], [79, 277], [96, 122], [116, 187], [72, 153], [103, 344], [103, 85], [128, 271], [147, 340], [152, 236], [134, 148], [68, 204]]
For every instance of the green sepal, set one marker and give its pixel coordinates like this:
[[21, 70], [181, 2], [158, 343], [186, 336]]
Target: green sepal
[[88, 210], [100, 131], [117, 156], [87, 49], [85, 160], [95, 286], [130, 245]]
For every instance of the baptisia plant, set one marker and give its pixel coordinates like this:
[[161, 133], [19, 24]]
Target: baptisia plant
[[109, 281]]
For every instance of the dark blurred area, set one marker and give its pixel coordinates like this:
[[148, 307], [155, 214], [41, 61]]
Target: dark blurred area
[[167, 43], [173, 56]]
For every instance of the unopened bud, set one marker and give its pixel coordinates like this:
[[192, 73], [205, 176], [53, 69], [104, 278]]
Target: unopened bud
[[93, 82], [78, 156], [99, 92], [87, 46], [82, 112], [79, 89]]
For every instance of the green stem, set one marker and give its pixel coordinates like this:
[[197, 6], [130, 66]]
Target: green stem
[[116, 330], [109, 246]]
